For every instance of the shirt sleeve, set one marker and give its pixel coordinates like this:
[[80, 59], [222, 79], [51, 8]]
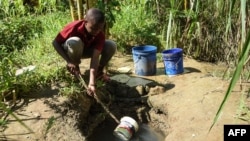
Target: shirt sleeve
[[64, 34]]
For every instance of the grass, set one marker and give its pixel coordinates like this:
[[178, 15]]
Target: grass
[[243, 110], [236, 76], [40, 53], [49, 124]]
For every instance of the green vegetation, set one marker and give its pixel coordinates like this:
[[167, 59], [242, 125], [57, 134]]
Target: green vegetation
[[26, 41], [134, 27], [210, 31], [50, 123]]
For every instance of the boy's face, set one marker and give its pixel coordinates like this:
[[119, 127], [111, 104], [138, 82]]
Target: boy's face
[[92, 28]]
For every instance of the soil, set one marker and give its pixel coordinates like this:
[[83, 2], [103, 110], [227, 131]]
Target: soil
[[177, 108]]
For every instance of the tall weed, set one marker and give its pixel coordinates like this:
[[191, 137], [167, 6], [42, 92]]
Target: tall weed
[[16, 32], [134, 26]]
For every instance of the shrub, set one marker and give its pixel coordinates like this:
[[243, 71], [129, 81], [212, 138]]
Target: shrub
[[15, 33], [133, 27]]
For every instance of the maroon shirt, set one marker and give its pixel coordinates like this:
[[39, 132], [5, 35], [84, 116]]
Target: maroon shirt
[[77, 28]]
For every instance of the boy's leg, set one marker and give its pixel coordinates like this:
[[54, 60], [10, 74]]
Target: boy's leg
[[74, 47], [108, 52]]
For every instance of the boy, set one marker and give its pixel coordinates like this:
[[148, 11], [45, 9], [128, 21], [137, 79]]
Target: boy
[[85, 39]]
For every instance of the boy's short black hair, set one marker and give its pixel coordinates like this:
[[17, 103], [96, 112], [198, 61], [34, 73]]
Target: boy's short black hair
[[95, 15]]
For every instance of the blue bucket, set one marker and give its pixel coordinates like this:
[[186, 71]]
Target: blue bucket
[[173, 61], [144, 58]]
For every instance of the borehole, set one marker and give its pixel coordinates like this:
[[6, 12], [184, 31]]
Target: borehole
[[130, 101], [104, 132]]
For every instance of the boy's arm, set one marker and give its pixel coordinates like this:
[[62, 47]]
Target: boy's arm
[[94, 63]]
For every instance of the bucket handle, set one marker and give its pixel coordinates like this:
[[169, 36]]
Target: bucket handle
[[177, 63], [139, 58]]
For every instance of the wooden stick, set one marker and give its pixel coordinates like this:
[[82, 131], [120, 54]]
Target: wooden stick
[[99, 101]]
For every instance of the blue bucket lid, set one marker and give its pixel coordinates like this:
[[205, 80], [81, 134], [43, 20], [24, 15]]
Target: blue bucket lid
[[144, 49]]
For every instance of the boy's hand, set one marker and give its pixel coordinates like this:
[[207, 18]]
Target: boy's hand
[[91, 90], [73, 69]]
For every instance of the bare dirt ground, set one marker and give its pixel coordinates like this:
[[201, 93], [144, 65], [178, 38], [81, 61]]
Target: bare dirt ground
[[183, 111]]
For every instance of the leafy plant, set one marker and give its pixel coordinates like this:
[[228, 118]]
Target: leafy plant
[[49, 123], [109, 8], [23, 42], [22, 8], [70, 90], [7, 85], [3, 123], [15, 33], [133, 27], [236, 76], [13, 115]]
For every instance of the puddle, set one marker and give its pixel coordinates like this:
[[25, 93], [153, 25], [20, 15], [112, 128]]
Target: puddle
[[104, 132]]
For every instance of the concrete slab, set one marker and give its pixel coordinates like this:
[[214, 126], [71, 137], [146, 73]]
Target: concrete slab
[[122, 78], [136, 81]]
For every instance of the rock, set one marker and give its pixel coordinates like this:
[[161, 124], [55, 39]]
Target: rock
[[36, 114], [140, 89], [147, 88], [24, 69], [156, 90]]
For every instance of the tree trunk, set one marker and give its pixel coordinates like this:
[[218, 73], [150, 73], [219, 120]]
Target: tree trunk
[[80, 9], [72, 10], [91, 3]]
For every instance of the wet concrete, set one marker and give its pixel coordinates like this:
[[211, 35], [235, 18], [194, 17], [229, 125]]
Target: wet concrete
[[131, 81]]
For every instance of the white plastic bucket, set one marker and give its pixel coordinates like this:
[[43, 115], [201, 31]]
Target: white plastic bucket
[[126, 129]]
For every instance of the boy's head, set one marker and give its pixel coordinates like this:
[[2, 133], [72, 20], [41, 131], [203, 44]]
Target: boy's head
[[95, 21]]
